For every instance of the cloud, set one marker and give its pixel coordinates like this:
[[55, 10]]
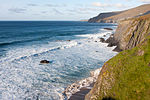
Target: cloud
[[44, 12], [52, 5], [36, 14], [56, 5], [57, 11], [31, 4], [118, 5], [98, 4], [88, 9], [17, 10], [82, 10], [145, 1]]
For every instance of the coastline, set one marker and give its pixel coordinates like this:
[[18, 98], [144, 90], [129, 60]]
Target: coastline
[[78, 90], [71, 58], [122, 77]]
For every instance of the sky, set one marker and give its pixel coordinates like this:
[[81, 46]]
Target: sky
[[61, 9]]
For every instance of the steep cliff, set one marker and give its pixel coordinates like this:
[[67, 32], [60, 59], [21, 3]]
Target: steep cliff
[[101, 17], [131, 32], [127, 75], [114, 17]]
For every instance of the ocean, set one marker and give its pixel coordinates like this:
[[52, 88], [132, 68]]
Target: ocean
[[72, 47]]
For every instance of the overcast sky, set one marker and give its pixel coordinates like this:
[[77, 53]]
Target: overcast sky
[[61, 9]]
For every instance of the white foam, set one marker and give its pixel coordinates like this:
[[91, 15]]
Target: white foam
[[75, 87], [16, 54], [21, 76], [93, 35], [97, 36], [71, 44]]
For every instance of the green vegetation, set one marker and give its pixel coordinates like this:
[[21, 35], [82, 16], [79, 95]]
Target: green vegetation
[[127, 75], [131, 71]]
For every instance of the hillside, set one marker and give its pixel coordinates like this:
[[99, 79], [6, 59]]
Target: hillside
[[113, 17], [127, 75]]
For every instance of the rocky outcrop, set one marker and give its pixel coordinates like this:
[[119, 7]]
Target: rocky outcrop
[[102, 85], [108, 29], [130, 33], [124, 77], [102, 40], [114, 17], [44, 61]]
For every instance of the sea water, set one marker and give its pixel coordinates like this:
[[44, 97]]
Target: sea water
[[72, 47]]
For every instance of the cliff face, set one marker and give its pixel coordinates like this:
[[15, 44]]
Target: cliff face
[[126, 76], [114, 17], [101, 18], [131, 32]]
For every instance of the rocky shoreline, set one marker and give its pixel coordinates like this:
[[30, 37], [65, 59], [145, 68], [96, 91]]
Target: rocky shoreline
[[132, 38], [121, 75], [78, 90], [82, 85]]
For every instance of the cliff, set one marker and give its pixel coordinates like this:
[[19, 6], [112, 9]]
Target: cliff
[[127, 75], [102, 16], [130, 33], [114, 17]]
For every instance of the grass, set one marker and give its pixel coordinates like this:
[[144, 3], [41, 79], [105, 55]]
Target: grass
[[127, 75], [131, 73]]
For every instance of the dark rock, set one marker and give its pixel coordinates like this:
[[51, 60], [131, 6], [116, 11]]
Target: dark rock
[[68, 40], [108, 28], [111, 44], [102, 40], [149, 64], [111, 41], [44, 62], [117, 49], [104, 35]]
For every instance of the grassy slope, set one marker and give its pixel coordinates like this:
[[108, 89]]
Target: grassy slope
[[127, 75], [131, 70]]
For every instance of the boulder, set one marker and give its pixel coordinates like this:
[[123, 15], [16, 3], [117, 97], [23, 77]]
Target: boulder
[[44, 62], [102, 40], [111, 41], [108, 28], [104, 35], [117, 49]]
